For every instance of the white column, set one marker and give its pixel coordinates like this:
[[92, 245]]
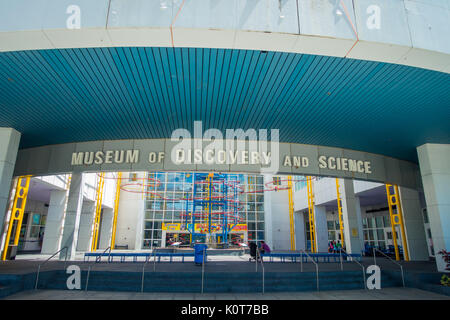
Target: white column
[[9, 145], [73, 213], [130, 217], [320, 219], [53, 225], [434, 161], [351, 212], [299, 222], [281, 234], [106, 228], [86, 226], [413, 222]]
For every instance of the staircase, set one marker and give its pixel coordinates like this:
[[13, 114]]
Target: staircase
[[213, 282], [12, 283]]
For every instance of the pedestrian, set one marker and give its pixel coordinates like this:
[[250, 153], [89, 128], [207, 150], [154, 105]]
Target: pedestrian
[[339, 245]]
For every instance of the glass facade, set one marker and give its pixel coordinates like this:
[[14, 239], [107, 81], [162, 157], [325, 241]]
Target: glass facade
[[376, 229], [169, 199]]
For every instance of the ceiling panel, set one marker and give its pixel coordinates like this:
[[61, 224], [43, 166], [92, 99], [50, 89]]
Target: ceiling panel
[[67, 95]]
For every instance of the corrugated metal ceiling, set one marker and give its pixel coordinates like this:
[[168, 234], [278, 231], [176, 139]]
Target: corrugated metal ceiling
[[66, 95]]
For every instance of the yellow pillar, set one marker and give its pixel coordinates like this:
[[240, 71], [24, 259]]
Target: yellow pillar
[[17, 211]]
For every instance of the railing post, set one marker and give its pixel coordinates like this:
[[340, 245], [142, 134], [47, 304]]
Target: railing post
[[37, 277], [203, 268], [263, 275], [87, 278], [403, 278], [301, 261], [317, 276], [65, 259], [256, 260], [142, 283], [364, 278]]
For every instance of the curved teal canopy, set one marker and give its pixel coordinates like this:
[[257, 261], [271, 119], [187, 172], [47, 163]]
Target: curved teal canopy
[[72, 95]]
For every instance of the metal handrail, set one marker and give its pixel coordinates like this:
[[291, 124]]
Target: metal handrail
[[401, 267], [203, 268], [143, 268], [262, 265], [353, 260], [39, 266], [315, 263], [97, 259]]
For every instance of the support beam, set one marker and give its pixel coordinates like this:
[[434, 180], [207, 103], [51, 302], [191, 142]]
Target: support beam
[[291, 213], [72, 219], [17, 211], [340, 218], [435, 171], [312, 224], [116, 210], [396, 215], [98, 211]]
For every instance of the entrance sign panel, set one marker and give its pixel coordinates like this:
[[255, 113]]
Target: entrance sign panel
[[168, 155], [171, 226]]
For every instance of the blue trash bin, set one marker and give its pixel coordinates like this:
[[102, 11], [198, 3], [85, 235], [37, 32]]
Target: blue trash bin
[[198, 253]]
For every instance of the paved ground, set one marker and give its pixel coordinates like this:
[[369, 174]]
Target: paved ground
[[383, 294]]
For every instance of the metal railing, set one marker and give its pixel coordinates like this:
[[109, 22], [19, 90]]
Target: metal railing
[[39, 266], [203, 268], [143, 268], [315, 263], [97, 259], [356, 261], [401, 267], [262, 266]]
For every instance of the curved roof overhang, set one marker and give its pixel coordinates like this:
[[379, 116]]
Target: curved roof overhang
[[134, 71]]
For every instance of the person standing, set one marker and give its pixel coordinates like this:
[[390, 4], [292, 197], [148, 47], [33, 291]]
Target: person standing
[[264, 247], [339, 246]]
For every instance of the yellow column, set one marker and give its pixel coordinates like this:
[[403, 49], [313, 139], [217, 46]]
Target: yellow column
[[291, 213], [396, 220], [18, 209], [341, 220], [116, 210], [98, 211], [312, 224]]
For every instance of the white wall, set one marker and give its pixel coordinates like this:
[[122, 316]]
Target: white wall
[[56, 181], [324, 191]]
